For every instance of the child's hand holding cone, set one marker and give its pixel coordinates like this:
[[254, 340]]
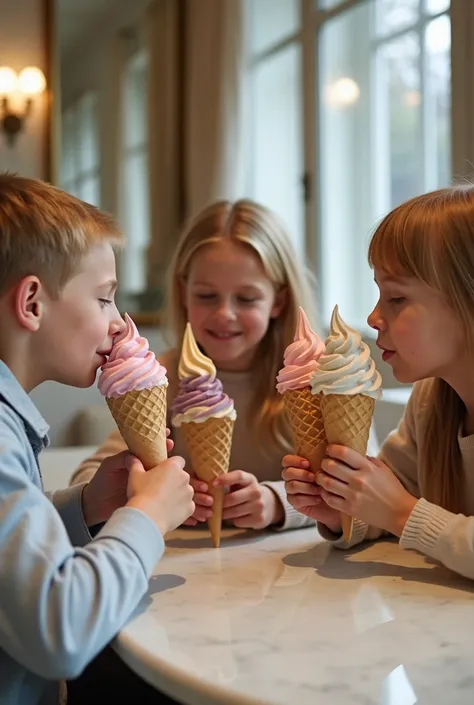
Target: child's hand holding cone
[[206, 417], [349, 385]]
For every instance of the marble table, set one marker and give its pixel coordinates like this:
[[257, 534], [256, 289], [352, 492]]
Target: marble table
[[284, 619]]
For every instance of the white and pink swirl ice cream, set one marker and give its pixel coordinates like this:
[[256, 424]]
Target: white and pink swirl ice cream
[[131, 366], [301, 357], [200, 396], [347, 366]]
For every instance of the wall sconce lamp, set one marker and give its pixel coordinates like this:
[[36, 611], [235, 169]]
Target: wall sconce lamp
[[16, 97]]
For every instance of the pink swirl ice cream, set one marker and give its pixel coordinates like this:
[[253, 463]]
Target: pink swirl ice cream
[[200, 396], [301, 357], [131, 366]]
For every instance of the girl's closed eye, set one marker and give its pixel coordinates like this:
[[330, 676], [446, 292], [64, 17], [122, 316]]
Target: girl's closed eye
[[247, 299], [396, 300], [204, 296]]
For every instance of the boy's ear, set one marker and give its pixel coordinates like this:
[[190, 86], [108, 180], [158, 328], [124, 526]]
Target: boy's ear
[[28, 302], [183, 291], [280, 302]]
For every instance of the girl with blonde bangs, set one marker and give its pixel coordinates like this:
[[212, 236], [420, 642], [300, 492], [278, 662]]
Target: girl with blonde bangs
[[235, 277], [421, 486]]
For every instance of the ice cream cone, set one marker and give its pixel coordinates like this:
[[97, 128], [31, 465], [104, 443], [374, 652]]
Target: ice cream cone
[[303, 409], [141, 419], [209, 444], [349, 384], [205, 415], [134, 386], [347, 421]]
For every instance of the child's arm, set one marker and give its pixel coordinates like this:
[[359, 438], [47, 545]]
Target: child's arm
[[59, 605], [112, 445], [442, 535]]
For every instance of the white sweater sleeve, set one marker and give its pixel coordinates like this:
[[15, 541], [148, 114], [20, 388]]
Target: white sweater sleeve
[[442, 535]]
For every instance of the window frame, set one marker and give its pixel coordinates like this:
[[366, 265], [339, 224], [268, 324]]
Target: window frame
[[312, 21], [81, 176], [133, 257]]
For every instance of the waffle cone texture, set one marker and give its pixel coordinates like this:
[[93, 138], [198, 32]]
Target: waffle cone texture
[[347, 421], [303, 409], [141, 419], [209, 445]]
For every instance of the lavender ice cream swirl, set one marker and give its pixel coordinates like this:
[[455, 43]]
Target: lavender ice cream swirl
[[200, 396], [199, 399]]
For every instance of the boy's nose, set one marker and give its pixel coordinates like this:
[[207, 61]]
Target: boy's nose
[[117, 324], [375, 319]]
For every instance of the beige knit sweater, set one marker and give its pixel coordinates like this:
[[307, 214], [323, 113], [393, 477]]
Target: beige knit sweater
[[442, 535], [246, 455]]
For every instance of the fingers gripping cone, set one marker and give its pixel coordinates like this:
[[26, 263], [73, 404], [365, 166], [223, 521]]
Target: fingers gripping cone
[[348, 384]]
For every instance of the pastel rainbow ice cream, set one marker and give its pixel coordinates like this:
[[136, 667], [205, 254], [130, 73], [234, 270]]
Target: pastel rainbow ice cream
[[134, 385], [205, 416], [301, 357], [347, 366], [200, 396], [131, 365]]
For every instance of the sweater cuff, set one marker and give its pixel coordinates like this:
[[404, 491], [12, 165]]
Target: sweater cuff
[[293, 519], [359, 533], [68, 503], [138, 532], [424, 527]]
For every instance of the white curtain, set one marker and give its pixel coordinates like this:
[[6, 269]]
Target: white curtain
[[213, 101]]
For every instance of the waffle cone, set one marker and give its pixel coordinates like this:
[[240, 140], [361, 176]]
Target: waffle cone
[[141, 419], [303, 409], [347, 420], [209, 445]]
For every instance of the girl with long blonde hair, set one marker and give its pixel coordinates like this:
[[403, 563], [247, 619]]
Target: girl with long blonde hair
[[421, 486], [236, 278]]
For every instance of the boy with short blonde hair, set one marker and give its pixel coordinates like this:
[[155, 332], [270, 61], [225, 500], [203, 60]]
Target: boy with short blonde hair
[[64, 594]]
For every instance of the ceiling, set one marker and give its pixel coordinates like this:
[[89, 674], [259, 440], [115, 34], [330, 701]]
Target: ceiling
[[77, 18]]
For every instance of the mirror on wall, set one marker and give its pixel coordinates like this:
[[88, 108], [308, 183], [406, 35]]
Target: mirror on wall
[[103, 118]]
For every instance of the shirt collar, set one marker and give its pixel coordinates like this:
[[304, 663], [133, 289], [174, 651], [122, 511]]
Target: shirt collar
[[14, 394]]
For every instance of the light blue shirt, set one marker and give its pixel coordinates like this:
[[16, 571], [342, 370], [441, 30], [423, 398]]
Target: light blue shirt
[[63, 595]]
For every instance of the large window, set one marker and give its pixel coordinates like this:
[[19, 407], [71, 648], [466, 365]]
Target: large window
[[385, 132], [275, 164], [80, 158], [134, 201], [352, 100]]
